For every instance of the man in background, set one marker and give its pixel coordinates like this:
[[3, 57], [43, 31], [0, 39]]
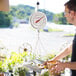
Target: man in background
[[70, 14]]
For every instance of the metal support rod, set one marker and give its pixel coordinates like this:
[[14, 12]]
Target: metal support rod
[[37, 6], [34, 73]]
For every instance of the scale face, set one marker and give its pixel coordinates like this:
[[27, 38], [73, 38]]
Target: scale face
[[38, 20]]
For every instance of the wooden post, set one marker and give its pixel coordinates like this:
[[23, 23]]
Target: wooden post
[[4, 5]]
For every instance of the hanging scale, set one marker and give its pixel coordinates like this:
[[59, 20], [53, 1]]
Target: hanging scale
[[38, 21]]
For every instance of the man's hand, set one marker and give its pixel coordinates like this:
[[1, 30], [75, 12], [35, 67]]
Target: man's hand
[[49, 62], [57, 68]]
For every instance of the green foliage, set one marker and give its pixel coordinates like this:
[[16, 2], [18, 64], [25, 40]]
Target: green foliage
[[16, 58], [24, 12], [67, 58], [54, 30], [21, 11], [60, 19], [21, 71], [4, 19], [15, 24], [1, 67], [69, 35], [49, 15], [45, 74], [49, 56]]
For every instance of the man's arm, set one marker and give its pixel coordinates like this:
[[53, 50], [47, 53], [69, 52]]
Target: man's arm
[[64, 53], [60, 66], [61, 55], [70, 65]]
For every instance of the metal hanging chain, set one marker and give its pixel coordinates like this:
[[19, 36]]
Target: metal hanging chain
[[39, 4], [39, 47]]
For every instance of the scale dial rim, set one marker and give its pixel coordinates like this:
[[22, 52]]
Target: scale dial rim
[[40, 17]]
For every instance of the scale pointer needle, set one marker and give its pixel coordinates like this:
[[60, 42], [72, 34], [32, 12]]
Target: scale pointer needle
[[39, 19]]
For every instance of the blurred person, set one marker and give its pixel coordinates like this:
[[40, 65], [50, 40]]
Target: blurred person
[[70, 14]]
